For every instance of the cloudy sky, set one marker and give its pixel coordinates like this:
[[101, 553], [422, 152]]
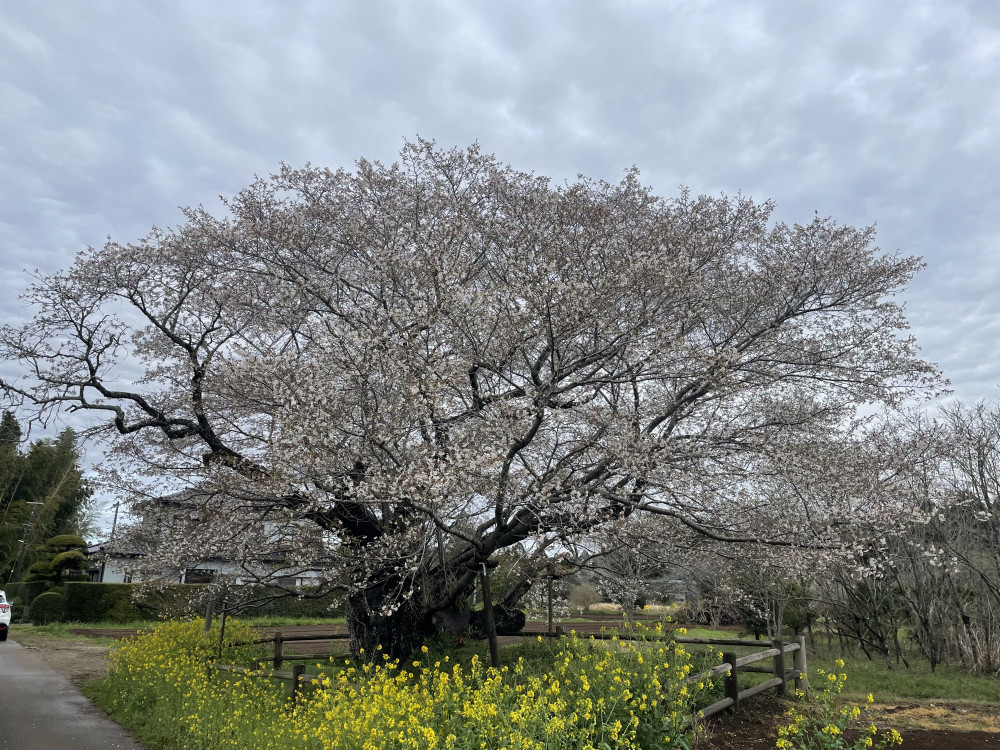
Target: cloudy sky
[[114, 114]]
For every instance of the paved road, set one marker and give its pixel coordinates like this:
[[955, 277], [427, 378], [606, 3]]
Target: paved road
[[41, 710]]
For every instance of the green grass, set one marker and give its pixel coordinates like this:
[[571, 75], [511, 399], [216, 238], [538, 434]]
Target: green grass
[[693, 631], [58, 630], [271, 622], [918, 683], [948, 683], [147, 726]]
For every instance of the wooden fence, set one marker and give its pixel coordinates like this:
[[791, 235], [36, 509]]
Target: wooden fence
[[731, 667], [278, 641], [297, 676]]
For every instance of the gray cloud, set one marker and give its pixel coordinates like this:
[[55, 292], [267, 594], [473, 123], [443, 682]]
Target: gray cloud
[[112, 114]]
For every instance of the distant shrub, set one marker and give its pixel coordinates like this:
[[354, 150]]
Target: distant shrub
[[584, 596], [46, 608]]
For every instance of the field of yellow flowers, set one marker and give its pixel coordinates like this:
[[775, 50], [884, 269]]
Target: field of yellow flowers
[[572, 694]]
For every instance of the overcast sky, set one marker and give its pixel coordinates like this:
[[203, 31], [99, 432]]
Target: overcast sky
[[114, 114]]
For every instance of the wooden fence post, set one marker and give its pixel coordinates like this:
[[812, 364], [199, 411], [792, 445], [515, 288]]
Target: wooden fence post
[[277, 650], [297, 671], [491, 625], [222, 626], [801, 681], [209, 614], [779, 667], [732, 679], [550, 605]]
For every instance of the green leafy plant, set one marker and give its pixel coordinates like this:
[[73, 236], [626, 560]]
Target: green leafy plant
[[820, 724]]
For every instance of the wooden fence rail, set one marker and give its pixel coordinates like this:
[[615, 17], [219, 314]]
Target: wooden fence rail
[[297, 676], [732, 665], [278, 641]]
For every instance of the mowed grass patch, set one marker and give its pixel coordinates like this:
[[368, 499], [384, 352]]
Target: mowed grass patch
[[274, 622], [917, 684], [57, 630], [947, 683]]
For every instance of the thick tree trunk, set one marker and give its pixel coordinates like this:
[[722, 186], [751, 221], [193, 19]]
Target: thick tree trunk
[[399, 632]]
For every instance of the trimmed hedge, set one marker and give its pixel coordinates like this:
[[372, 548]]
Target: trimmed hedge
[[46, 608], [115, 602], [328, 605]]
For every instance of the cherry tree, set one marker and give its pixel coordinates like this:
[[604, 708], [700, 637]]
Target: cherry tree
[[422, 364]]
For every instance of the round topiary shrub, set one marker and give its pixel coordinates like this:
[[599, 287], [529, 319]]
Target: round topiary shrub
[[46, 608]]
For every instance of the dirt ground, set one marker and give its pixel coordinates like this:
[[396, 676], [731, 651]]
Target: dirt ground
[[78, 661]]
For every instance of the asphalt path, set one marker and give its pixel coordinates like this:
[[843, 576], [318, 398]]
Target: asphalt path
[[41, 710]]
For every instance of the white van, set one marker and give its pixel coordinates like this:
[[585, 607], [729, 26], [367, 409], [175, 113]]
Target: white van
[[4, 616]]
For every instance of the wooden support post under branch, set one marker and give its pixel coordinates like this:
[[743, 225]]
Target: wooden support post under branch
[[550, 628], [278, 640], [209, 614], [491, 625]]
